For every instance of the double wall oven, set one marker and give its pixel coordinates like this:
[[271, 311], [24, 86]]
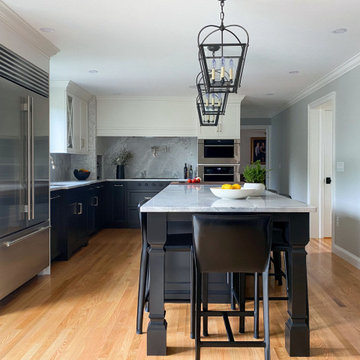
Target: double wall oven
[[219, 160]]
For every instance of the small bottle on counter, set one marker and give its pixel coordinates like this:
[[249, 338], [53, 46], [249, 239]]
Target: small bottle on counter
[[190, 172], [185, 172]]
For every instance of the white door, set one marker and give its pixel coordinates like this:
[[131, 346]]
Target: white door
[[326, 132], [320, 165]]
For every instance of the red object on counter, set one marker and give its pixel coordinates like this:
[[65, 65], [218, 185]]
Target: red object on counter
[[189, 181]]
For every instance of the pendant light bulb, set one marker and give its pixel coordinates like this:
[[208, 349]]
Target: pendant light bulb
[[213, 70], [222, 71]]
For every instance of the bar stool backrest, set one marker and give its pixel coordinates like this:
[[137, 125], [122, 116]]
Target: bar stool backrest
[[232, 243]]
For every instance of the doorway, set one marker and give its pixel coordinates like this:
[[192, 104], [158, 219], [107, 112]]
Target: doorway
[[249, 133], [321, 120]]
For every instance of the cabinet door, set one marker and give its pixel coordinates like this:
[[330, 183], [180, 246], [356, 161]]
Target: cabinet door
[[91, 201], [116, 204], [101, 207], [84, 129], [70, 122], [57, 227]]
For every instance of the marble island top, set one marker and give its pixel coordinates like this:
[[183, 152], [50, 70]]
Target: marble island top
[[199, 198], [65, 185]]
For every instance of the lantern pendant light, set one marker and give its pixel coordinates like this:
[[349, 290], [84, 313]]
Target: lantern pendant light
[[213, 103], [222, 55], [208, 119]]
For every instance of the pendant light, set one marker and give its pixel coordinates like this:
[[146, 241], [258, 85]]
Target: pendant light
[[206, 120], [213, 103], [222, 55]]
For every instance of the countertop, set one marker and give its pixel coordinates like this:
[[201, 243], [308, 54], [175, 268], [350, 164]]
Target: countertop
[[65, 185], [199, 198]]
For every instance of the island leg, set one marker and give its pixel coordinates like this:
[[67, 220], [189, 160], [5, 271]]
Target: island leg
[[297, 332], [156, 237]]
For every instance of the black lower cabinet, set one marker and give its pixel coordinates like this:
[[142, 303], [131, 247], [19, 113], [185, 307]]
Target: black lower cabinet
[[57, 223], [116, 204], [136, 192], [78, 213]]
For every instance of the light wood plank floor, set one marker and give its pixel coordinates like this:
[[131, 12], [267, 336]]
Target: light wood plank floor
[[86, 310]]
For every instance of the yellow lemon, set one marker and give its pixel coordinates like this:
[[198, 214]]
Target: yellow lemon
[[226, 186], [236, 186]]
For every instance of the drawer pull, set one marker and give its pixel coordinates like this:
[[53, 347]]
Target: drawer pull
[[11, 243], [147, 197], [118, 185], [80, 209], [55, 197]]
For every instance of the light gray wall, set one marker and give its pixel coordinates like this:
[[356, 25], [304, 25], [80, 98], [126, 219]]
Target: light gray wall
[[173, 153], [289, 155]]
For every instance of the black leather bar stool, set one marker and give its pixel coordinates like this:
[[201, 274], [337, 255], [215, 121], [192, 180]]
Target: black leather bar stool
[[174, 242], [234, 244]]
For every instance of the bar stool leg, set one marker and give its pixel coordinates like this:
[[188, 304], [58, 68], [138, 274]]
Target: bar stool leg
[[142, 288], [198, 314], [192, 295], [277, 266], [265, 281], [256, 305], [233, 307], [205, 300], [242, 302]]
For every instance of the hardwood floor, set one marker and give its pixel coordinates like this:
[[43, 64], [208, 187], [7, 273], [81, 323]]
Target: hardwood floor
[[86, 309]]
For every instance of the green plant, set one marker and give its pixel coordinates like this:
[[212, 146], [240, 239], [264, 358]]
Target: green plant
[[123, 157], [255, 173]]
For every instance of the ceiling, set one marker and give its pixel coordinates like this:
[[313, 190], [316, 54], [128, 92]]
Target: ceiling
[[149, 47]]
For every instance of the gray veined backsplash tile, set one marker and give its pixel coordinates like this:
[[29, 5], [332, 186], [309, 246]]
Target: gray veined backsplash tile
[[153, 157]]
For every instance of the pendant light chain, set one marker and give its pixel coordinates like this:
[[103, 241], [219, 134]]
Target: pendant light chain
[[222, 15]]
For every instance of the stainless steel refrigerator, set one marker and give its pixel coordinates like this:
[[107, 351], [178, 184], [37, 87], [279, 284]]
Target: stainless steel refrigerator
[[24, 171]]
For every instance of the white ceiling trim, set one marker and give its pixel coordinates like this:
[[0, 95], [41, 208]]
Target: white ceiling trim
[[21, 27], [339, 71]]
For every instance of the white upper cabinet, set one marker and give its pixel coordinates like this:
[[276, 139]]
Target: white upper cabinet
[[69, 129], [229, 124], [146, 116]]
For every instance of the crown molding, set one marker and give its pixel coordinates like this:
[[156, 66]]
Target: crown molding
[[339, 71], [14, 22]]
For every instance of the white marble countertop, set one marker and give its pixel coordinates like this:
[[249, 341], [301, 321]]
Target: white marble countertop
[[199, 198], [65, 185]]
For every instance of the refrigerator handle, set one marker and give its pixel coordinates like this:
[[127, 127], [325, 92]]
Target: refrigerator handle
[[32, 161], [28, 206]]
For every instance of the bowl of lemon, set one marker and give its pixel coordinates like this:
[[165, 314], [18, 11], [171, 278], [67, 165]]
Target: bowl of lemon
[[231, 191]]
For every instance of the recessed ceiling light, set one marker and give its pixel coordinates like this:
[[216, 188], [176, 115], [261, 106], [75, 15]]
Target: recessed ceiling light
[[270, 94], [93, 71], [47, 29], [339, 31], [294, 72]]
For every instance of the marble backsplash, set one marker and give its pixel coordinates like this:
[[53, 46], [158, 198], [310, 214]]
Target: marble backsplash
[[153, 157]]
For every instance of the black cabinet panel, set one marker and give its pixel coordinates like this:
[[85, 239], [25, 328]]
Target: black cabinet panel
[[116, 215], [57, 224]]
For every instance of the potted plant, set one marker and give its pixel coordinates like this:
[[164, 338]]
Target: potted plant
[[254, 175], [120, 160]]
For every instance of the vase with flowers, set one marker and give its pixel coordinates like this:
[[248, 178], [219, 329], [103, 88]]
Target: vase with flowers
[[120, 160]]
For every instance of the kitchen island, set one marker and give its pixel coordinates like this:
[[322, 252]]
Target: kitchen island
[[178, 203]]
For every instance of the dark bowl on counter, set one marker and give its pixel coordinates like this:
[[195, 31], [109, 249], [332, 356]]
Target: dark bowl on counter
[[81, 175]]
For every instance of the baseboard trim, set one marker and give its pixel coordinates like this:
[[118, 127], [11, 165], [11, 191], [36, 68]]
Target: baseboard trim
[[346, 255]]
